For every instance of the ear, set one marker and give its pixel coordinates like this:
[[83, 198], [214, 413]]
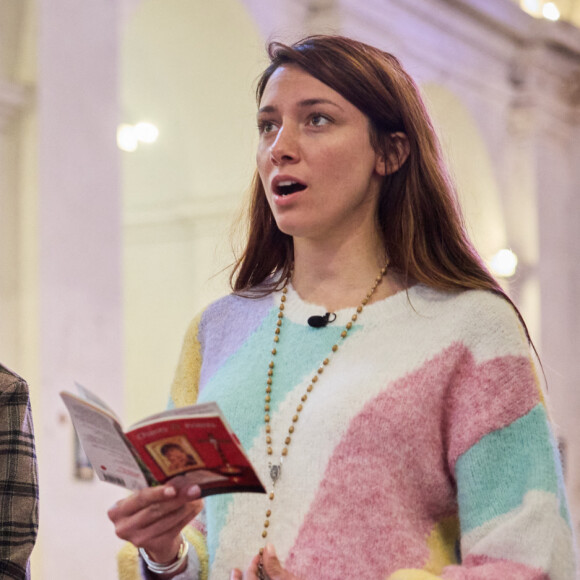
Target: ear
[[398, 152]]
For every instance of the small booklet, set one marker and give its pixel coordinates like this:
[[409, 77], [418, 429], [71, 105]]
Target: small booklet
[[194, 441]]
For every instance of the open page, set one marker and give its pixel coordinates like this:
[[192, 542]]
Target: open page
[[104, 443]]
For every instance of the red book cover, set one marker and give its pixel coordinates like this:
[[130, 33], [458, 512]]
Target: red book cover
[[202, 448]]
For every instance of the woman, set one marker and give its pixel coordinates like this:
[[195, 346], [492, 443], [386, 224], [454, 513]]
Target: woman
[[376, 373]]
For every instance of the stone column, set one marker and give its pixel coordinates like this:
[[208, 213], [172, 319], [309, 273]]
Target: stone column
[[80, 271], [12, 99], [548, 132]]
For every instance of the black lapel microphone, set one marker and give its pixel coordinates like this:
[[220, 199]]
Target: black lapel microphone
[[320, 321]]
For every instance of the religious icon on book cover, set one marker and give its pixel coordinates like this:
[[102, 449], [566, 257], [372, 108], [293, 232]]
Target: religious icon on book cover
[[174, 455]]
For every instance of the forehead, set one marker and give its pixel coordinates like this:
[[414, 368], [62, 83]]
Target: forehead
[[290, 82]]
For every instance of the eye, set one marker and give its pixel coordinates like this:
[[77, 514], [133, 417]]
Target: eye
[[265, 126], [319, 120]]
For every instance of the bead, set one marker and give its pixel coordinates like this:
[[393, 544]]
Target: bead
[[266, 523], [270, 372], [268, 382], [267, 418], [314, 378], [359, 309], [276, 339], [268, 439], [268, 429], [269, 450], [285, 451], [277, 332], [283, 298], [267, 398], [271, 496], [285, 289], [365, 301], [264, 534], [299, 408], [288, 440], [266, 407], [271, 365], [295, 418], [320, 370], [325, 361], [343, 334], [268, 513], [291, 429], [354, 317], [278, 322], [280, 315], [349, 325], [274, 351], [334, 347], [281, 306], [309, 388], [303, 398], [261, 551]]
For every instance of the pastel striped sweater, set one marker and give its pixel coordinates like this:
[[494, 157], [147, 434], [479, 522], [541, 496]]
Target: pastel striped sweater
[[423, 452]]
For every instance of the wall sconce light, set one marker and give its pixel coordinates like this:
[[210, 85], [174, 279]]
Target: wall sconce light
[[129, 136], [504, 263], [541, 9]]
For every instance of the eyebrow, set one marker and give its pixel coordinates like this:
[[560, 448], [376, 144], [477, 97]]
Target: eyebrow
[[302, 104]]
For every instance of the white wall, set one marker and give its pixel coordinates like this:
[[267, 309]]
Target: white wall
[[190, 68]]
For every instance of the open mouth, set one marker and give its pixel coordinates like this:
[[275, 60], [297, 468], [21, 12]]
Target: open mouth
[[288, 187]]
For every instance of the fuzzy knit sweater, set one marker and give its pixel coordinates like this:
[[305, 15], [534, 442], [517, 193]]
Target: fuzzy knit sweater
[[423, 452]]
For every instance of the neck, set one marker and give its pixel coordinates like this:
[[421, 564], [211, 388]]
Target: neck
[[337, 275]]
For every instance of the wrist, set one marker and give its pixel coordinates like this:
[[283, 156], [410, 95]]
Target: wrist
[[162, 563], [163, 552]]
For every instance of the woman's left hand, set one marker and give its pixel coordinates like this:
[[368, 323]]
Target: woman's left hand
[[270, 565]]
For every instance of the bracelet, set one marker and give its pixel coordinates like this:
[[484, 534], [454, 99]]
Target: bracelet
[[157, 568]]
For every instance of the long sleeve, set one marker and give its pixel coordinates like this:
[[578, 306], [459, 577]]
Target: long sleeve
[[513, 514], [18, 478]]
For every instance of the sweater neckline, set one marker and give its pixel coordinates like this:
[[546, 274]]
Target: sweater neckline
[[298, 310]]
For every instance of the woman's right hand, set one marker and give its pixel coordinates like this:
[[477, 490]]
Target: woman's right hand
[[153, 518]]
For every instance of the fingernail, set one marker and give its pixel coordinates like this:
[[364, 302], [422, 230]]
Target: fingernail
[[194, 490], [169, 491], [270, 549]]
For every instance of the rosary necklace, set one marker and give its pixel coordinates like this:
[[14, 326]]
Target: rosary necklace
[[275, 469]]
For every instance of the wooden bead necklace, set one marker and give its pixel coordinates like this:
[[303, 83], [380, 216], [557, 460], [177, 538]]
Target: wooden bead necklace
[[275, 469]]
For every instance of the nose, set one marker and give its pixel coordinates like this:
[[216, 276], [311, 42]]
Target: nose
[[285, 147]]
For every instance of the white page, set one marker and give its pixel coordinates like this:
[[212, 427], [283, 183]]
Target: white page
[[104, 444]]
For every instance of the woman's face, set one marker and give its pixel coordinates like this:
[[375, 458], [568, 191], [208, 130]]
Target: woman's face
[[177, 458], [318, 168]]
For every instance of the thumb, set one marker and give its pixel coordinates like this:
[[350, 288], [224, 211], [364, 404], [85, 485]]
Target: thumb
[[272, 565]]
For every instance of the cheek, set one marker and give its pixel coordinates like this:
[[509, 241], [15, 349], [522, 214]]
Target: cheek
[[262, 161]]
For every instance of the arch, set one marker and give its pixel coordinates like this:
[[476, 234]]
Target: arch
[[471, 167]]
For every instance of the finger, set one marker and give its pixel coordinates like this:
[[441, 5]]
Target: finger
[[184, 488], [160, 543], [142, 499], [252, 571], [156, 520], [272, 565], [236, 575]]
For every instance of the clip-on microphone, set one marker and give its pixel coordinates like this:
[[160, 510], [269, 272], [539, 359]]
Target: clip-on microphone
[[320, 321]]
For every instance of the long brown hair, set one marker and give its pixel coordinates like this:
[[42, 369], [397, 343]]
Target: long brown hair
[[418, 212]]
